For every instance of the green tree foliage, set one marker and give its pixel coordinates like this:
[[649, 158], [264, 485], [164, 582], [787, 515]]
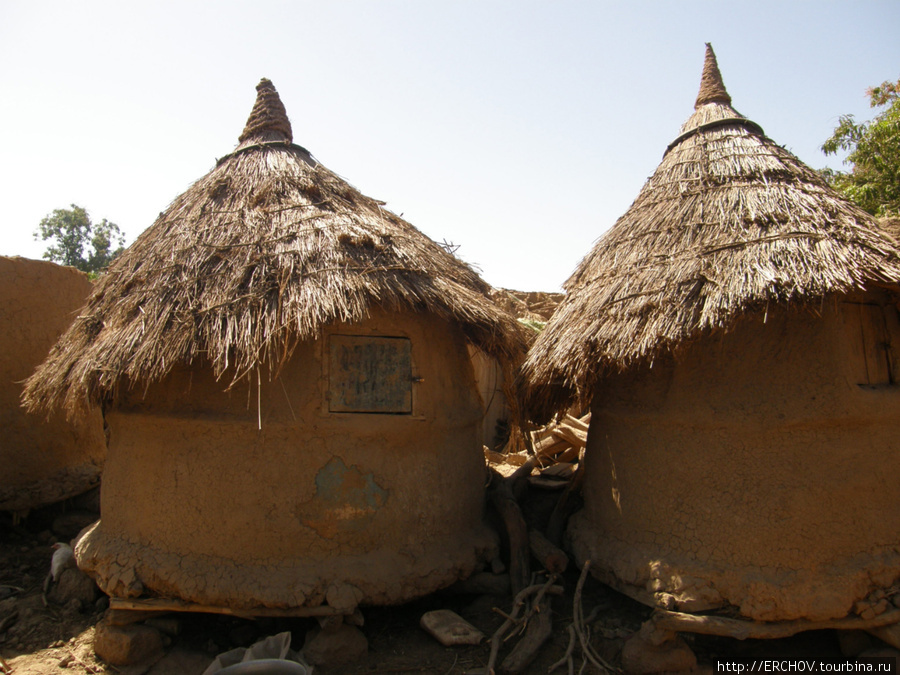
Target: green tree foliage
[[78, 242], [873, 183]]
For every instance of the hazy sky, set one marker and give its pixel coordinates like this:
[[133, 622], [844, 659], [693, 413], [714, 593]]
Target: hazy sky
[[518, 130]]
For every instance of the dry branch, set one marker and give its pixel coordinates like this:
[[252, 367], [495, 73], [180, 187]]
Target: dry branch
[[513, 619], [538, 628], [503, 500], [143, 605], [553, 559], [570, 435], [743, 630], [89, 668], [580, 423], [567, 657], [566, 504], [557, 443], [581, 629]]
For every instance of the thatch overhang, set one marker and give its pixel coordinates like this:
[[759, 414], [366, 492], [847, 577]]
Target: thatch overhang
[[729, 223], [261, 253]]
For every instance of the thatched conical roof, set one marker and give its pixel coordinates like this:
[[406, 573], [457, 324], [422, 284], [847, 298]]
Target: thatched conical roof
[[260, 253], [728, 223]]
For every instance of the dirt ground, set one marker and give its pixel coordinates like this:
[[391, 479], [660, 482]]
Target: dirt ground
[[36, 639]]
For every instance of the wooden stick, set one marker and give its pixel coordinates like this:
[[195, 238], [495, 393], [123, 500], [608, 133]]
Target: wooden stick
[[570, 435], [529, 444], [500, 458], [513, 619], [553, 448], [552, 558], [576, 423], [501, 496], [565, 506], [172, 605], [539, 628], [89, 668], [743, 630], [518, 481], [581, 630], [570, 455], [567, 659]]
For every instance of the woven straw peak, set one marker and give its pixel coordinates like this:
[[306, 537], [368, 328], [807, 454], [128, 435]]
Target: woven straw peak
[[712, 89], [268, 120]]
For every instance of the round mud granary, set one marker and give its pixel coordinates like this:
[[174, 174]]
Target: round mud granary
[[736, 333], [44, 459], [286, 369]]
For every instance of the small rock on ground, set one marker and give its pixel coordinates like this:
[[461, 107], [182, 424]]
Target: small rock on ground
[[342, 647], [73, 584], [641, 657], [127, 645]]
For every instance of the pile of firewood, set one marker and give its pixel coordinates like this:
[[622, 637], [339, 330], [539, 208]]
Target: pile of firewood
[[558, 450], [552, 460], [527, 306]]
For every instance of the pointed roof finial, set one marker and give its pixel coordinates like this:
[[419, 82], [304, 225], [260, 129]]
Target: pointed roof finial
[[712, 89], [268, 120]]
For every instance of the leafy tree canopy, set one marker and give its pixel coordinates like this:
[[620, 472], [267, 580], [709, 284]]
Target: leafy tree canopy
[[873, 182], [78, 242]]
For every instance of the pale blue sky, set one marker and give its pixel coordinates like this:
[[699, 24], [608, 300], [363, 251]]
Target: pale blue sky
[[518, 130]]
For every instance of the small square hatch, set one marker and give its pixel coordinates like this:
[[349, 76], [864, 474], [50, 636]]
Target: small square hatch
[[370, 374]]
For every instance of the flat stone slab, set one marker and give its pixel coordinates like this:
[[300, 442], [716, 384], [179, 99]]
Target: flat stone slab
[[450, 628]]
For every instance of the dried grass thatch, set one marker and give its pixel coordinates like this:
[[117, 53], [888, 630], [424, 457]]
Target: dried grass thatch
[[262, 252], [728, 223], [891, 225]]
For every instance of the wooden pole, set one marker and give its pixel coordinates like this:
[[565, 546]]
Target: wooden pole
[[740, 629], [172, 605]]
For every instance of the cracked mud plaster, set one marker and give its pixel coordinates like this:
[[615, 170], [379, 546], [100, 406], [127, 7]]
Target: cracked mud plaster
[[128, 569], [200, 504], [44, 461], [750, 471]]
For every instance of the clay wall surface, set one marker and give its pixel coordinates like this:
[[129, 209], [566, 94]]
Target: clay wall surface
[[758, 469], [201, 503], [489, 381], [43, 461]]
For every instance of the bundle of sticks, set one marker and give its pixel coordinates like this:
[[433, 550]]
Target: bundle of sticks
[[552, 459], [558, 449]]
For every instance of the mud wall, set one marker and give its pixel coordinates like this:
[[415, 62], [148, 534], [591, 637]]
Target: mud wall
[[489, 382], [758, 469], [261, 496], [43, 461]]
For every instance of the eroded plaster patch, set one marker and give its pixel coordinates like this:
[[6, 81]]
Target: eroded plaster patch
[[345, 499]]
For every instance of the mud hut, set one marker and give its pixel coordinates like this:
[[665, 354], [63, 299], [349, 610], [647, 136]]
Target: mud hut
[[293, 414], [736, 336], [44, 460]]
